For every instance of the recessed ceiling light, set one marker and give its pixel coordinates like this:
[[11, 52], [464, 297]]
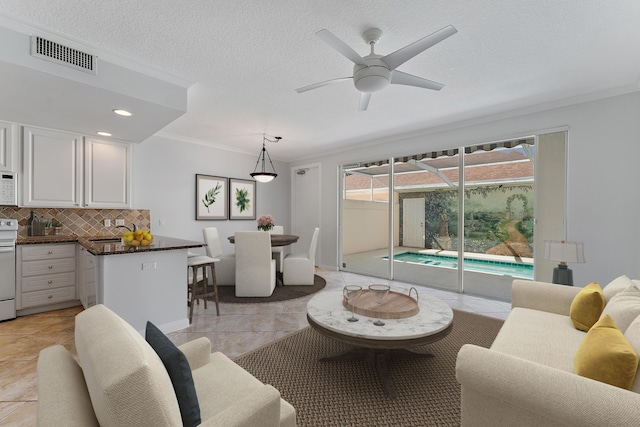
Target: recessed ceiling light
[[122, 112], [101, 133]]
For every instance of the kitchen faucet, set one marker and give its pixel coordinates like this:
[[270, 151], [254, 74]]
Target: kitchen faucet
[[135, 227]]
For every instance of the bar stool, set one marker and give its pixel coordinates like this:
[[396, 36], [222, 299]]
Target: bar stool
[[194, 290]]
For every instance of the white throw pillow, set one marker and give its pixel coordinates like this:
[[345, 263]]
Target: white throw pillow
[[624, 307], [618, 284]]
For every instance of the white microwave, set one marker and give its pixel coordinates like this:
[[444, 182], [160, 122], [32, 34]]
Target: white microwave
[[8, 189]]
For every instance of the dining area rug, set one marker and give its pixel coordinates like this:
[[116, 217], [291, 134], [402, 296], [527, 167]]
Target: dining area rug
[[349, 393], [281, 292]]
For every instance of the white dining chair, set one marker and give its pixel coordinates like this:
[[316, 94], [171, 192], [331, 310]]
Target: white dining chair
[[278, 251], [255, 269], [226, 267], [299, 268]]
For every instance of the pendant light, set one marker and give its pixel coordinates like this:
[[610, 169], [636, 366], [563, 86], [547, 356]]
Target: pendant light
[[263, 175]]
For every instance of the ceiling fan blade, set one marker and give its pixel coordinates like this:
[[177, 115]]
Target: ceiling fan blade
[[341, 47], [321, 84], [400, 56], [400, 78], [365, 97]]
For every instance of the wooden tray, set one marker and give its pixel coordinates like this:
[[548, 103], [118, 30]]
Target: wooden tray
[[396, 306]]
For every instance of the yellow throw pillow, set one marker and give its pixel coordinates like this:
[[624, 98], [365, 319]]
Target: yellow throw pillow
[[605, 355], [587, 307]]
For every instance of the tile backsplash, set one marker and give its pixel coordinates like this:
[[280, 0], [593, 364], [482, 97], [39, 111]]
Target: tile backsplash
[[81, 222]]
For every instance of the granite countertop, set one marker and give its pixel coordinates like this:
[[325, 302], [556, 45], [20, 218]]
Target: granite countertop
[[114, 246]]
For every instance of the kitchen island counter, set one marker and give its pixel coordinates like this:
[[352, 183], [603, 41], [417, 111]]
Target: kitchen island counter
[[140, 284]]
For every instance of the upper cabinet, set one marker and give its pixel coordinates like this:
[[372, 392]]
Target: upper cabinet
[[62, 170], [52, 168], [106, 174], [7, 147]]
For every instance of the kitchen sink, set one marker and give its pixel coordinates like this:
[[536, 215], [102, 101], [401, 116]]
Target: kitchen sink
[[105, 240]]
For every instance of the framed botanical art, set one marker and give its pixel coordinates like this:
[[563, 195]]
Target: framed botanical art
[[211, 197], [242, 199]]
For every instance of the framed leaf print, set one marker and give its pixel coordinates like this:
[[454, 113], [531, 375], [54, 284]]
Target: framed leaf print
[[242, 199], [211, 197]]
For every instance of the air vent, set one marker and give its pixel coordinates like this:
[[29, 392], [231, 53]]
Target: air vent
[[60, 54]]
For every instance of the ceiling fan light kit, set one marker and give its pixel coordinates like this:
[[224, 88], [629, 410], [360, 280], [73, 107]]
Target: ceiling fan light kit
[[373, 72]]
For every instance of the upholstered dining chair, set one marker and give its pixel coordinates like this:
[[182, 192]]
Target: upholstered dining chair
[[278, 251], [255, 269], [226, 267], [299, 268]]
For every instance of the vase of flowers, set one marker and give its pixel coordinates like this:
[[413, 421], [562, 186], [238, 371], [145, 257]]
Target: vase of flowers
[[266, 223]]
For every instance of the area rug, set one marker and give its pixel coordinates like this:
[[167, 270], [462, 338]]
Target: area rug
[[281, 293], [348, 393]]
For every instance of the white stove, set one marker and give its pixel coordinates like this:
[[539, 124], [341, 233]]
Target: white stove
[[8, 236]]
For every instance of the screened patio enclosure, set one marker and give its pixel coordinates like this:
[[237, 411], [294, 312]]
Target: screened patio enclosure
[[459, 219]]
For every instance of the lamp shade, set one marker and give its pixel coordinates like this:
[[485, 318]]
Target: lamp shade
[[559, 250], [263, 176]]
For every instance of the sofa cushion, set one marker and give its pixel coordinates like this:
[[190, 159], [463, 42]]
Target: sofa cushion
[[127, 382], [525, 334], [618, 284], [180, 373], [587, 307], [605, 355], [624, 307], [632, 334]]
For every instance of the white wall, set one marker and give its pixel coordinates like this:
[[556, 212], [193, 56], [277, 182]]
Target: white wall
[[364, 226], [603, 203], [164, 181]]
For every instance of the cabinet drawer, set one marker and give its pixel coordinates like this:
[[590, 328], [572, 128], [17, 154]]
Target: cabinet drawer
[[48, 281], [52, 296], [39, 252], [46, 267]]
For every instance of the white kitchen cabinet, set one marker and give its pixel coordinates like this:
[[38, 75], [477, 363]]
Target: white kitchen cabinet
[[107, 174], [52, 168], [46, 277], [62, 169], [8, 146]]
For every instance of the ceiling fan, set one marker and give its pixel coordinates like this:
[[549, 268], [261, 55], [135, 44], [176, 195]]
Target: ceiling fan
[[374, 72]]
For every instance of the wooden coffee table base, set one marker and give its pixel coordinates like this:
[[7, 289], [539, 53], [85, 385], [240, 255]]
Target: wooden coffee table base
[[380, 360], [378, 352]]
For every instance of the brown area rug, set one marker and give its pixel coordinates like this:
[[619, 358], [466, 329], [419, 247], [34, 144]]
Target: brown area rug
[[281, 292], [348, 393]]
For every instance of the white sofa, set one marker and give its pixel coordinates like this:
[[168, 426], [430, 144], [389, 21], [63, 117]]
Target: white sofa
[[527, 376], [121, 381]]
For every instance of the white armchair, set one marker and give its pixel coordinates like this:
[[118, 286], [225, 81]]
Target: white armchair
[[255, 269], [278, 251], [226, 267], [299, 268]]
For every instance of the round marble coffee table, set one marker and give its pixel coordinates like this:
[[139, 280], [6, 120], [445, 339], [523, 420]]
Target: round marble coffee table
[[327, 315]]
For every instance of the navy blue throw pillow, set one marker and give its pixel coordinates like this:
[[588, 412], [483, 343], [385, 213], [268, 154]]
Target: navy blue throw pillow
[[179, 371]]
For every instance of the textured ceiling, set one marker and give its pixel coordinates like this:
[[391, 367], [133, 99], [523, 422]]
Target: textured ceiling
[[247, 57]]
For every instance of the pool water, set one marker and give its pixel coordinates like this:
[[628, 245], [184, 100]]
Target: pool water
[[520, 270]]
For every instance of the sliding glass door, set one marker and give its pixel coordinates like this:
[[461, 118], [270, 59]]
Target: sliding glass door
[[498, 217], [427, 191], [461, 219], [365, 219]]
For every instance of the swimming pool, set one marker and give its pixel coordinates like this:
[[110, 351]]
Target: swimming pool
[[519, 270]]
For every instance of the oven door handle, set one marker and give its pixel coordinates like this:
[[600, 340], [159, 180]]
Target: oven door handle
[[7, 249]]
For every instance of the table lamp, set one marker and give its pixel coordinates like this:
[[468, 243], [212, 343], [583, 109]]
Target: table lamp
[[564, 252]]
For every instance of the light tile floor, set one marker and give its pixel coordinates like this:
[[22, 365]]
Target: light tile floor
[[239, 328]]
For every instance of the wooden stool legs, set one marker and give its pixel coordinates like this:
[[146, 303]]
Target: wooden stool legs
[[197, 291]]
